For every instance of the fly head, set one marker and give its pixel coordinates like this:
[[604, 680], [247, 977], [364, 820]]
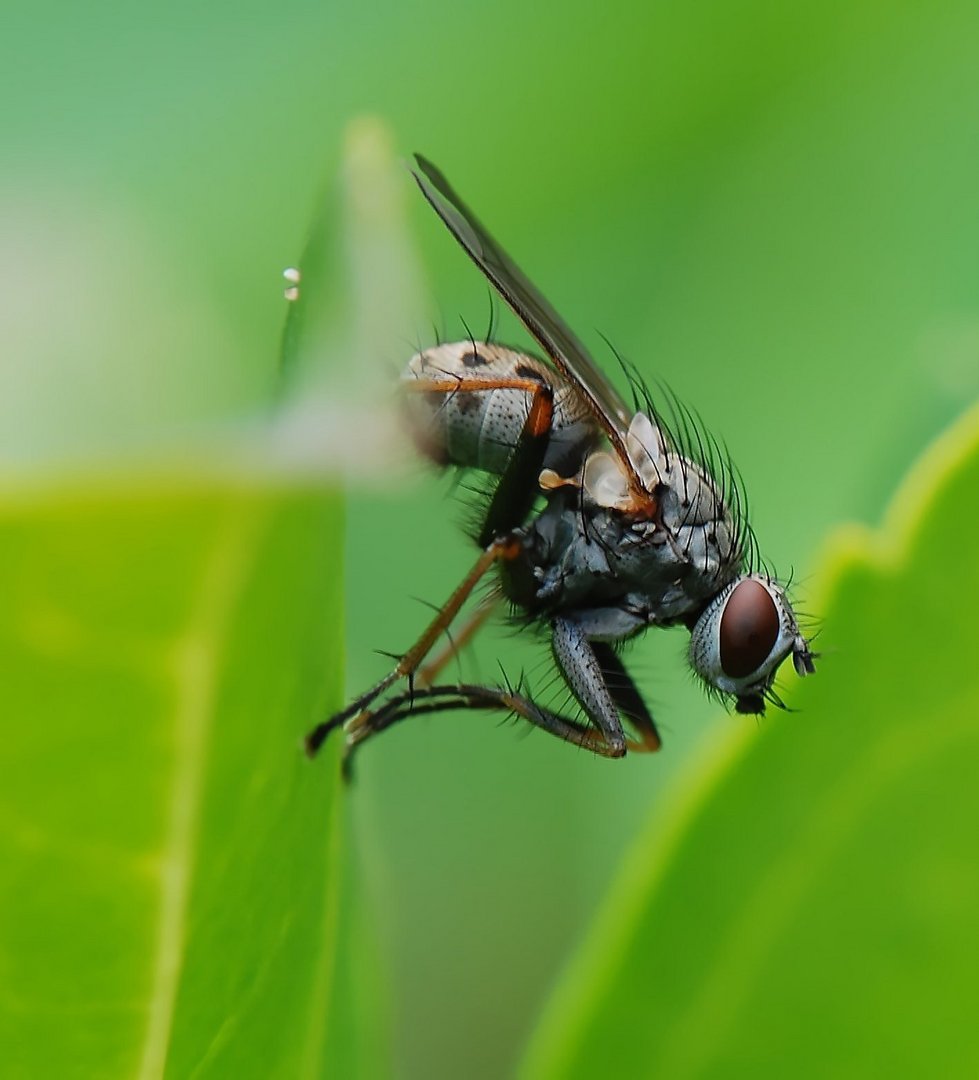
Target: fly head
[[741, 639]]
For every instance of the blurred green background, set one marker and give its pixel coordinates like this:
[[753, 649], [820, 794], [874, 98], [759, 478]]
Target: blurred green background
[[771, 207]]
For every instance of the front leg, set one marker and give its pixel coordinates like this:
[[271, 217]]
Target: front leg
[[583, 674], [435, 699], [627, 698], [593, 672]]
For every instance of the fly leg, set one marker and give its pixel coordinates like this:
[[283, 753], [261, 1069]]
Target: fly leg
[[435, 699], [582, 672], [412, 659], [511, 502], [627, 698], [606, 690], [429, 672]]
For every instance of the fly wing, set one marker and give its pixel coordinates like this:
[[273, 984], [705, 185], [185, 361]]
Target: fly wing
[[555, 337]]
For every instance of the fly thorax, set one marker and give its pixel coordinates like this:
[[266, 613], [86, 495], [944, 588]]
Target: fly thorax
[[699, 527], [691, 548], [572, 547]]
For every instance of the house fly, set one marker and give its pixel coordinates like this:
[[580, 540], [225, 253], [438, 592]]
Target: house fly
[[602, 520]]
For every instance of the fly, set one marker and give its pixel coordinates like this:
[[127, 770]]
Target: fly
[[603, 520]]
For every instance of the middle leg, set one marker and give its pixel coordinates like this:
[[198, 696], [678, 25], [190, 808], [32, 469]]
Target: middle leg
[[582, 672], [434, 699], [627, 698]]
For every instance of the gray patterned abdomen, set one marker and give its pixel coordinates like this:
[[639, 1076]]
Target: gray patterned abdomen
[[479, 428]]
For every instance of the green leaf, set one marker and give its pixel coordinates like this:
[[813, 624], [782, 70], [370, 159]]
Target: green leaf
[[807, 905], [168, 858], [174, 891]]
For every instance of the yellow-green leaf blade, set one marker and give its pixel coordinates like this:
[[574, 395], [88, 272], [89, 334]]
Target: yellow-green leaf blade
[[167, 851]]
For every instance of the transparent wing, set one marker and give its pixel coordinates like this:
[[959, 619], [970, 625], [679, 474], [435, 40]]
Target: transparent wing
[[555, 337]]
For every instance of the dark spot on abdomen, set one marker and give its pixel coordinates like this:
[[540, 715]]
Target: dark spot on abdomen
[[473, 359]]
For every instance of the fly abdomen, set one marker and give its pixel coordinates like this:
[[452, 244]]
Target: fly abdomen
[[467, 403]]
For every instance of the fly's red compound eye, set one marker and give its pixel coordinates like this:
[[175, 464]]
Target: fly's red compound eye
[[749, 629]]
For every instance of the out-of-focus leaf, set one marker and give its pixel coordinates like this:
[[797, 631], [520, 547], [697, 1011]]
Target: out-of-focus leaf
[[168, 858], [172, 894], [358, 281], [810, 909]]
